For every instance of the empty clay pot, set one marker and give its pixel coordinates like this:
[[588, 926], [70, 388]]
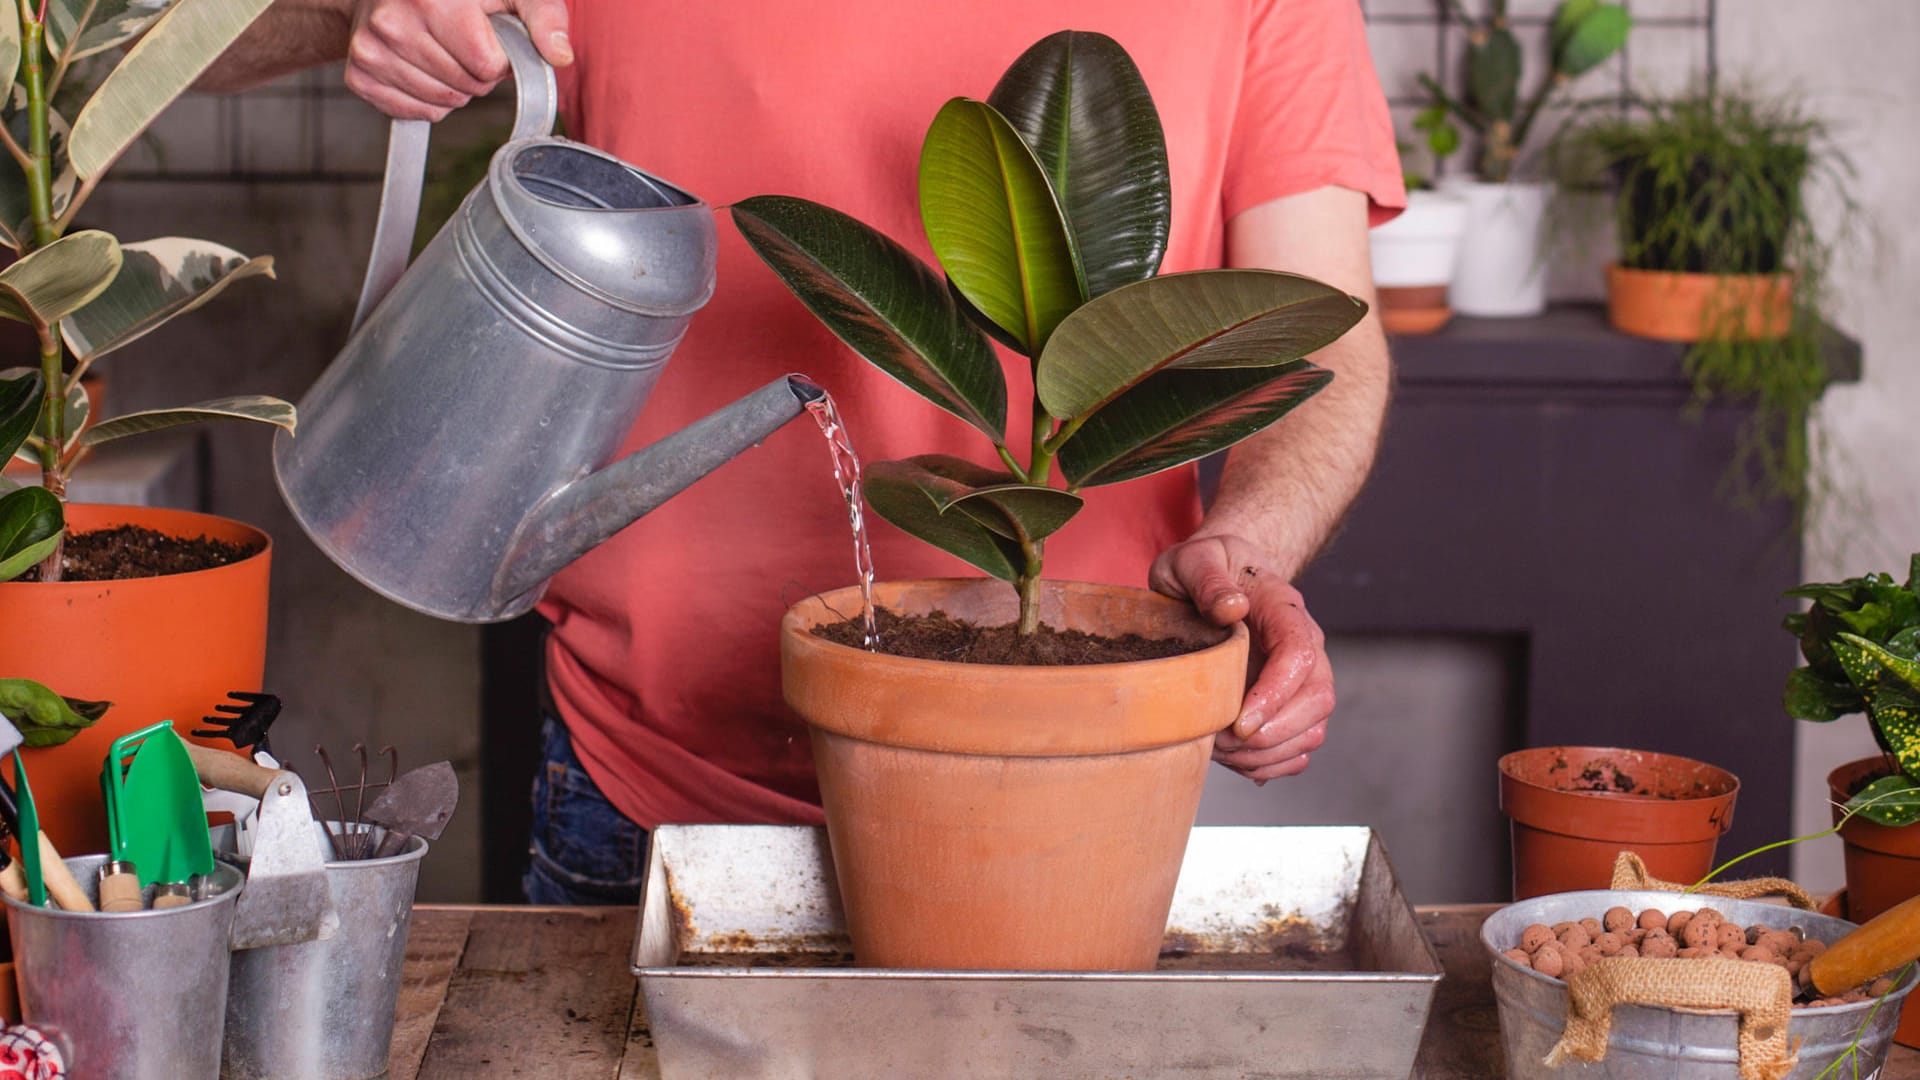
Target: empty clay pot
[[992, 817], [1566, 834], [158, 648]]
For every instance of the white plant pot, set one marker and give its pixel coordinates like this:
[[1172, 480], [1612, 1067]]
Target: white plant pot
[[1421, 247], [1502, 272]]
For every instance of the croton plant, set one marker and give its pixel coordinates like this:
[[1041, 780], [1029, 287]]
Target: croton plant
[[1048, 207], [1861, 641], [84, 292]]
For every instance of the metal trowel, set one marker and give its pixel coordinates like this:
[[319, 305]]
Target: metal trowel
[[419, 802], [287, 900]]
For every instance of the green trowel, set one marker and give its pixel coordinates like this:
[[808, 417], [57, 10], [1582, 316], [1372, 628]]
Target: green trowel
[[155, 816]]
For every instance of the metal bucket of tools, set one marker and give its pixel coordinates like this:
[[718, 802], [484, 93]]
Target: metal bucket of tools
[[324, 1010], [132, 995], [1659, 1043]]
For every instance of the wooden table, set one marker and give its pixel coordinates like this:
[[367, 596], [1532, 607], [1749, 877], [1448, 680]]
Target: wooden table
[[545, 992]]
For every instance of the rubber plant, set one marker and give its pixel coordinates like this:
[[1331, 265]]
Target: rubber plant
[[1581, 36], [83, 292], [1047, 206], [1861, 641]]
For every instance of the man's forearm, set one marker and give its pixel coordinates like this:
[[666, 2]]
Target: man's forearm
[[1286, 488], [290, 36]]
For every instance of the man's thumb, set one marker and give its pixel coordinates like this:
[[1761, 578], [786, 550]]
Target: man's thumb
[[547, 25]]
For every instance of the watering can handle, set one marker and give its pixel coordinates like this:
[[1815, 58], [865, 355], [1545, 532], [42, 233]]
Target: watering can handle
[[537, 101]]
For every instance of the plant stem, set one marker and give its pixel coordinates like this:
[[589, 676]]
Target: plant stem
[[38, 168], [39, 156], [1012, 463], [1029, 586]]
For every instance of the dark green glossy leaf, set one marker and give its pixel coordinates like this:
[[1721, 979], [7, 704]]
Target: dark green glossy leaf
[[1079, 102], [30, 523], [1896, 720], [894, 491], [1177, 416], [19, 408], [881, 300], [1493, 74], [992, 218], [1890, 800], [1913, 573], [44, 717], [1206, 319], [1810, 697], [1906, 669], [1591, 39], [991, 497]]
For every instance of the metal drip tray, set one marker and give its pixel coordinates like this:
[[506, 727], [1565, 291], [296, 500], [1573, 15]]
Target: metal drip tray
[[1290, 952]]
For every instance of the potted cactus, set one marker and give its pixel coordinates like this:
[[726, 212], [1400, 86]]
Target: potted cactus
[[995, 815], [160, 644], [1501, 271]]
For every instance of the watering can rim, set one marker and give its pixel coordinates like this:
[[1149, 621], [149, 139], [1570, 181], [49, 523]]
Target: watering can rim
[[501, 178]]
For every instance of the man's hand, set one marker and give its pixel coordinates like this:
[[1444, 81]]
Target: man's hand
[[1284, 716], [421, 59]]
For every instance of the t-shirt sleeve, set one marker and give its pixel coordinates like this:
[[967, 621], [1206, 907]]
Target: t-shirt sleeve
[[1311, 112]]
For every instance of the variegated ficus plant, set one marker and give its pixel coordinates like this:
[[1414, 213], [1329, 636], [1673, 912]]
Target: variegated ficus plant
[[84, 292], [1861, 640], [1048, 207]]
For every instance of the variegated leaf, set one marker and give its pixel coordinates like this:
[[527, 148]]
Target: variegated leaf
[[77, 28], [158, 279], [1890, 800], [1904, 668], [9, 47], [16, 213], [47, 285], [181, 45], [266, 410], [20, 392]]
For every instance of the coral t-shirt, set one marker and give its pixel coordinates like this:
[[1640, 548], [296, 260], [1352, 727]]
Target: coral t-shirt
[[664, 660]]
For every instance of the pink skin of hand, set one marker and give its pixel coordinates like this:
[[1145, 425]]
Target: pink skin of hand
[[421, 59], [1284, 715]]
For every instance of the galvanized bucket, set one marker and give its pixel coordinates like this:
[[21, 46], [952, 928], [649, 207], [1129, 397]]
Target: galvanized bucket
[[324, 1010], [1658, 1043], [136, 995]]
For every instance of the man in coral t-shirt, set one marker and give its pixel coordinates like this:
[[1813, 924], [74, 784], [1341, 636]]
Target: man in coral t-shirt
[[663, 661]]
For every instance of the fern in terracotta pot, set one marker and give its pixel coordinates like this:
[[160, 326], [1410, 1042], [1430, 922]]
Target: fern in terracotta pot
[[993, 816], [158, 645]]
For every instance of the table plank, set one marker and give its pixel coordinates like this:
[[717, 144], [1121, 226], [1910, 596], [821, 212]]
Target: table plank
[[435, 942], [539, 992], [642, 1061]]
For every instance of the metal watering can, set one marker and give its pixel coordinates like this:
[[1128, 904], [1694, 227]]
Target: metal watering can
[[453, 457]]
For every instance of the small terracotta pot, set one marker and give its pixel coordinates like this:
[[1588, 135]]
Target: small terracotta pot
[[1566, 839], [160, 648], [1671, 306], [987, 817], [1411, 311], [1883, 864]]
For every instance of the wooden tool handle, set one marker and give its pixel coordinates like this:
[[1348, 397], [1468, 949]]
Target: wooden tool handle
[[230, 772], [170, 896], [1888, 940], [120, 890], [60, 884]]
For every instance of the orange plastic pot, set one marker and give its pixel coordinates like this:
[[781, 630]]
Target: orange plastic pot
[[160, 648], [1566, 838], [987, 817], [1672, 306]]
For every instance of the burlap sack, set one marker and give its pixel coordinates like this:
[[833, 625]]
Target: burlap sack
[[1761, 993]]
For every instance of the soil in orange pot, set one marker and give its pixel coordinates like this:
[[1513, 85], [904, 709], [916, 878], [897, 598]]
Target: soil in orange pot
[[130, 551], [939, 636]]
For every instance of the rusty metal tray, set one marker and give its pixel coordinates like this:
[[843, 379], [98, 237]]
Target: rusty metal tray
[[1290, 952]]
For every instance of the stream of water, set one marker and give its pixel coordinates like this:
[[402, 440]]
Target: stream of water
[[846, 470]]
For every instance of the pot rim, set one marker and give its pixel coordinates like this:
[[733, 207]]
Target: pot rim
[[1507, 775], [1786, 277], [909, 702], [155, 516]]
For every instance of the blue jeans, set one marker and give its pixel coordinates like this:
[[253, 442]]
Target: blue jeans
[[583, 851]]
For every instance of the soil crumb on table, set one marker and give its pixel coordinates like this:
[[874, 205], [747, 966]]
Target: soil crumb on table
[[939, 636], [129, 551]]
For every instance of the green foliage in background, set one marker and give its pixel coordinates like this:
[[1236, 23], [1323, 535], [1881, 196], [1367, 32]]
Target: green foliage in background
[[1048, 206], [1583, 34], [1861, 640], [1717, 183]]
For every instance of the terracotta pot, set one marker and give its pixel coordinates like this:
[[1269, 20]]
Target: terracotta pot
[[992, 817], [1883, 864], [1687, 307], [160, 648], [1566, 839], [1412, 311]]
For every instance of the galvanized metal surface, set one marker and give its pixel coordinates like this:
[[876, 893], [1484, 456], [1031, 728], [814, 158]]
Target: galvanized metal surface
[[749, 895], [286, 901], [447, 457], [130, 996], [1653, 1043], [324, 1010]]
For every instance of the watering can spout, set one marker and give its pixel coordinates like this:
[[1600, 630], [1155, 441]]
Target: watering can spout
[[588, 511]]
